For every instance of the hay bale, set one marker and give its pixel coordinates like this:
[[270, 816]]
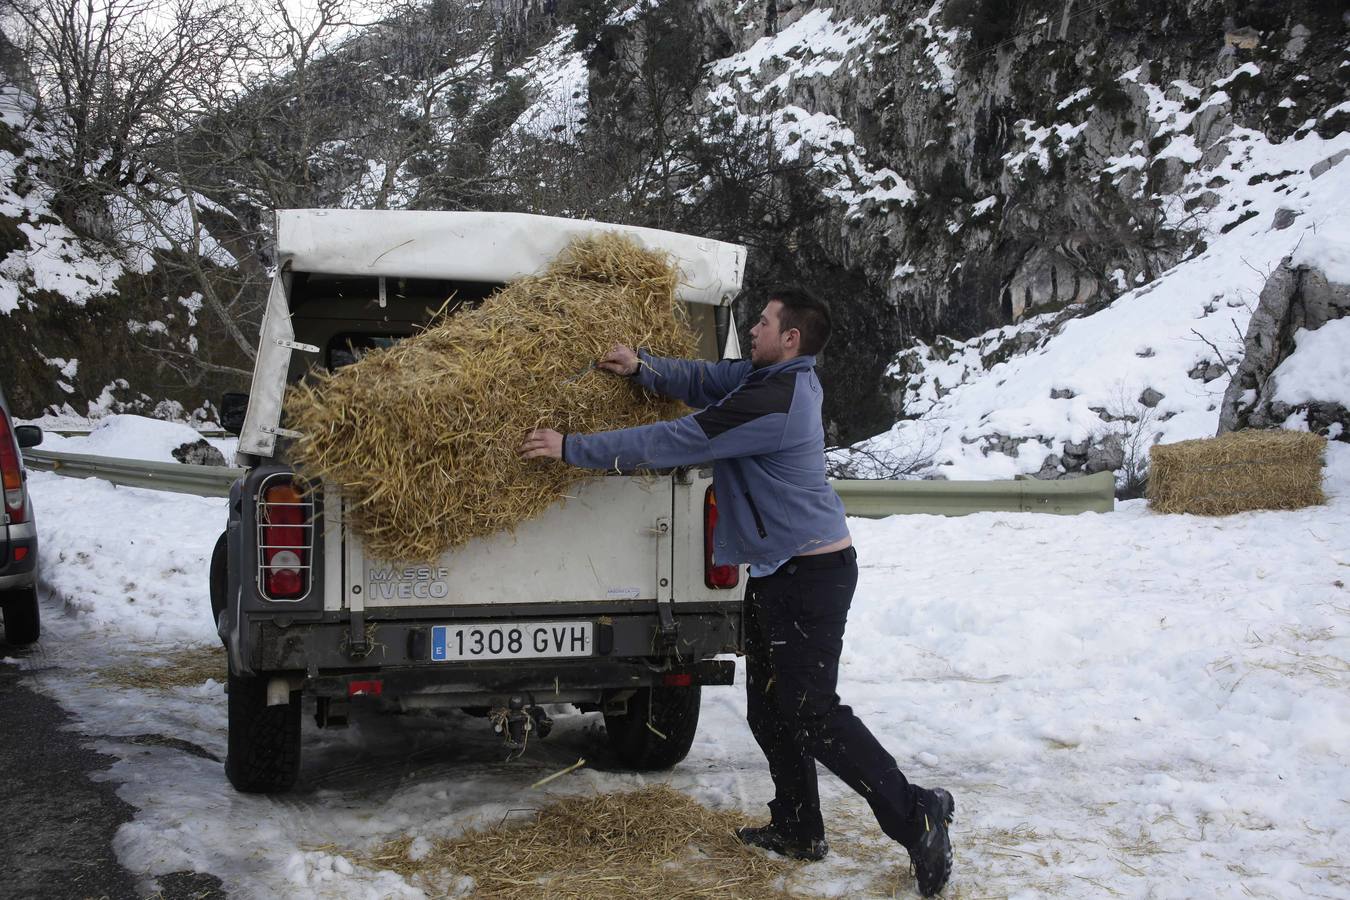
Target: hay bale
[[422, 437], [1236, 472]]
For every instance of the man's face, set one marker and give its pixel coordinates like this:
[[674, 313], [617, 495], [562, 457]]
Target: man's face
[[768, 343]]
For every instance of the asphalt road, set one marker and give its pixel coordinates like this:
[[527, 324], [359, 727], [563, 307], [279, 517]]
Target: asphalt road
[[58, 821]]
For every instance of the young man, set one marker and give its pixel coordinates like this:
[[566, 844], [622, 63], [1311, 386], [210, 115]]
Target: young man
[[760, 426]]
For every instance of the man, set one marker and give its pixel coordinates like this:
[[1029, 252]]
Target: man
[[760, 425]]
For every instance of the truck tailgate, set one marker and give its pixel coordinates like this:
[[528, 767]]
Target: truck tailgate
[[606, 542]]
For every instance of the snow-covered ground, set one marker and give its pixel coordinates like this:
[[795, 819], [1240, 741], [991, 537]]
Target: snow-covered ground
[[1125, 703]]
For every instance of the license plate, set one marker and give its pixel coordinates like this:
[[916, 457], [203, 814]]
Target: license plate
[[524, 640]]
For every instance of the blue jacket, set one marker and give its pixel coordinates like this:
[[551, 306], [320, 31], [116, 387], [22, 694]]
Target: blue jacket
[[762, 431]]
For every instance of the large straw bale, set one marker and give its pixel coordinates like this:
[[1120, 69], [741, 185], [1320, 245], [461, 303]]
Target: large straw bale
[[422, 437], [1236, 472]]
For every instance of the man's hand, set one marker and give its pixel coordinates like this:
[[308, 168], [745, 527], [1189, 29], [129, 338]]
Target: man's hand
[[620, 360], [542, 442]]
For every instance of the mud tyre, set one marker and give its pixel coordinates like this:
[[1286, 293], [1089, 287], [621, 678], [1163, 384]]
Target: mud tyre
[[23, 620], [220, 560], [264, 742], [658, 729]]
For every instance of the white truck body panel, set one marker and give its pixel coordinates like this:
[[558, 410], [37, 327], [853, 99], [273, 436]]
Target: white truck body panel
[[616, 538]]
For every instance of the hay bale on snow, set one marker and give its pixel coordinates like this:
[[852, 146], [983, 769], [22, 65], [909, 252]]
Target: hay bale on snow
[[422, 436], [1236, 472]]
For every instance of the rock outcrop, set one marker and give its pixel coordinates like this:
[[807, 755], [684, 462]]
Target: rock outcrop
[[1298, 301]]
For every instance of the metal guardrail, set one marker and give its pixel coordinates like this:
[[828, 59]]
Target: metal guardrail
[[868, 499], [204, 481], [1069, 496]]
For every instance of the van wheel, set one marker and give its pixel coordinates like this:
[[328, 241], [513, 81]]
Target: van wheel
[[23, 623], [220, 558], [671, 713], [264, 743]]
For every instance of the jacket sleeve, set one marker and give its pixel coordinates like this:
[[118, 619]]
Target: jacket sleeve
[[697, 383], [748, 422]]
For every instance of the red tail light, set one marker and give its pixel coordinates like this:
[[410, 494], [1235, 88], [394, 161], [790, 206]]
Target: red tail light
[[11, 472], [714, 576], [284, 525], [677, 679], [372, 688]]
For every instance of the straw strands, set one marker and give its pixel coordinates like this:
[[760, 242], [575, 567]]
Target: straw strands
[[186, 667], [1237, 471], [650, 843], [422, 437]]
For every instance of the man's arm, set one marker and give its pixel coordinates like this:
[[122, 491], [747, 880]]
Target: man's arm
[[699, 384], [748, 422]]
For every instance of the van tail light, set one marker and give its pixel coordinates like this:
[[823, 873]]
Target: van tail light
[[285, 531], [11, 473], [714, 576]]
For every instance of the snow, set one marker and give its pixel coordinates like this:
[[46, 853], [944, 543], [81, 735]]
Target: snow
[[1132, 700], [1319, 367], [814, 46], [1248, 69], [1080, 94], [758, 86], [1183, 148], [129, 437], [1329, 253], [561, 83], [1040, 144]]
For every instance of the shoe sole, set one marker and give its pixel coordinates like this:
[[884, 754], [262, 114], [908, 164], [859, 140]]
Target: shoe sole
[[947, 814]]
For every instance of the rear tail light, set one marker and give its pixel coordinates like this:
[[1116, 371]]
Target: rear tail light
[[371, 688], [677, 679], [11, 473], [285, 539], [714, 576]]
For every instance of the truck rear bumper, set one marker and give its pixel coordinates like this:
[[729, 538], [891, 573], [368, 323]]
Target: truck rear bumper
[[625, 646], [546, 682]]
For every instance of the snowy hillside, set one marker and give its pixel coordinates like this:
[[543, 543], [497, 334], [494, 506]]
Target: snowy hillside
[[1127, 704], [1019, 399]]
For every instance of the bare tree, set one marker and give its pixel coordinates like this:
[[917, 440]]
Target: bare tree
[[113, 75]]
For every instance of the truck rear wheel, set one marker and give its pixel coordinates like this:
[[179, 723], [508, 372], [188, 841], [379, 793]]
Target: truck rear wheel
[[220, 559], [23, 622], [264, 743], [658, 729]]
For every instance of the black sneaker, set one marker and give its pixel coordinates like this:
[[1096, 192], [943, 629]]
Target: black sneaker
[[773, 840], [932, 855]]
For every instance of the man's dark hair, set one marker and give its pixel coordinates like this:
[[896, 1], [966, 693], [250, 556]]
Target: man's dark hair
[[805, 312]]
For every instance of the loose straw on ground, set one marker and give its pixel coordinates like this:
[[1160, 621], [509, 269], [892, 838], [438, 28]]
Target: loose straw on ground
[[1236, 472], [651, 843], [187, 667], [422, 437]]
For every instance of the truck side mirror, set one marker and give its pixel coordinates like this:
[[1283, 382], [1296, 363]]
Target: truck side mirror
[[233, 408], [28, 436]]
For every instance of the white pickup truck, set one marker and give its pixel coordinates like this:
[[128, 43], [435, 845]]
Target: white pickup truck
[[609, 601]]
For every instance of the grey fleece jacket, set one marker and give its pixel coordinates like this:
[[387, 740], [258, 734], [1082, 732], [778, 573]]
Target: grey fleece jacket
[[760, 428]]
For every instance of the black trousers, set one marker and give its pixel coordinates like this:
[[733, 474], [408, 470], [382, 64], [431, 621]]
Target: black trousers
[[794, 633]]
